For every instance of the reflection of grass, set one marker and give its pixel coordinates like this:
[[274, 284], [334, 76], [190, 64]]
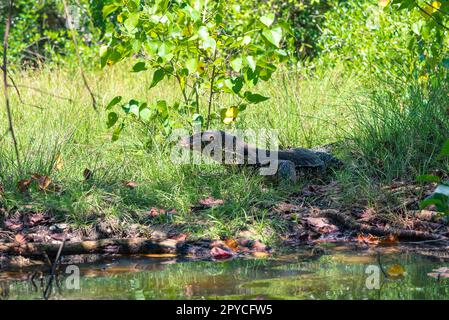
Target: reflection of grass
[[286, 278]]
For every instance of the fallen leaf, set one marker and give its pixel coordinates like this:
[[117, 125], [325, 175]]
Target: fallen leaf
[[369, 239], [130, 184], [232, 244], [154, 212], [218, 253], [321, 225], [258, 254], [2, 190], [211, 202], [259, 246], [396, 271], [87, 174], [36, 218], [20, 238], [13, 224], [58, 162], [24, 185], [44, 182], [389, 240], [180, 237]]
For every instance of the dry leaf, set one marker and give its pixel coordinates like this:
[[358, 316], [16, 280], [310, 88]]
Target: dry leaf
[[389, 240], [13, 224], [24, 185], [369, 239], [2, 190], [258, 254], [58, 162], [218, 253], [20, 238], [259, 246], [211, 202], [36, 218], [396, 271], [321, 225], [232, 244], [44, 182], [130, 184], [154, 212]]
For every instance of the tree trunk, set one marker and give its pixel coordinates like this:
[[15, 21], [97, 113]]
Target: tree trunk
[[111, 246]]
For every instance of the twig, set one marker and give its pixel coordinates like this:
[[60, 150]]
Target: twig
[[5, 84], [53, 271], [44, 92], [19, 95], [80, 62], [211, 93]]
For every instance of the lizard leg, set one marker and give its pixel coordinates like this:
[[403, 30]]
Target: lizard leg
[[286, 171]]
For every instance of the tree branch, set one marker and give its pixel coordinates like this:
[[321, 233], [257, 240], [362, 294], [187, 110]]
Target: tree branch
[[5, 84], [80, 62]]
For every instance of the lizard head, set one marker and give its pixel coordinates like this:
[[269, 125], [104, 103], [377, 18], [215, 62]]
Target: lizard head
[[201, 139]]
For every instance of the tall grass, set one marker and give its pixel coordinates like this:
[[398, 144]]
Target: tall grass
[[399, 129]]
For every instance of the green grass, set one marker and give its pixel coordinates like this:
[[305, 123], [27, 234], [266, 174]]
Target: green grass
[[305, 111]]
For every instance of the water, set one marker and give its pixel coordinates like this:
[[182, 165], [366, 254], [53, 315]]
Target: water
[[337, 273]]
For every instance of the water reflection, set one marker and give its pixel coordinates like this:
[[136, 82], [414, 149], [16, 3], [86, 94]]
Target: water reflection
[[336, 274]]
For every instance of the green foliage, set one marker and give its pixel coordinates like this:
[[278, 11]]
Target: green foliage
[[399, 130], [205, 46], [39, 34]]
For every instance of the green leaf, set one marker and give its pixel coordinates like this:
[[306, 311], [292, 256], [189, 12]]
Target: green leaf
[[157, 77], [236, 64], [251, 62], [197, 120], [112, 119], [267, 20], [139, 66], [428, 178], [117, 131], [113, 102], [273, 36], [132, 21], [145, 114], [255, 97], [107, 10]]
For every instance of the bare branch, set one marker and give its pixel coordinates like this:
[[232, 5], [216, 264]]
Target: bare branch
[[5, 84], [80, 62]]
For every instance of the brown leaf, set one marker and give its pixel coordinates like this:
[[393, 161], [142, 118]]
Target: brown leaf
[[211, 202], [259, 246], [389, 240], [369, 239], [2, 190], [24, 185], [218, 253], [87, 174], [321, 225], [180, 237], [232, 244], [58, 162], [20, 238], [258, 254], [44, 182], [13, 224], [154, 212], [36, 218], [130, 184]]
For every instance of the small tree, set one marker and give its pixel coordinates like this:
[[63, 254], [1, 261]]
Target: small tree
[[210, 47]]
